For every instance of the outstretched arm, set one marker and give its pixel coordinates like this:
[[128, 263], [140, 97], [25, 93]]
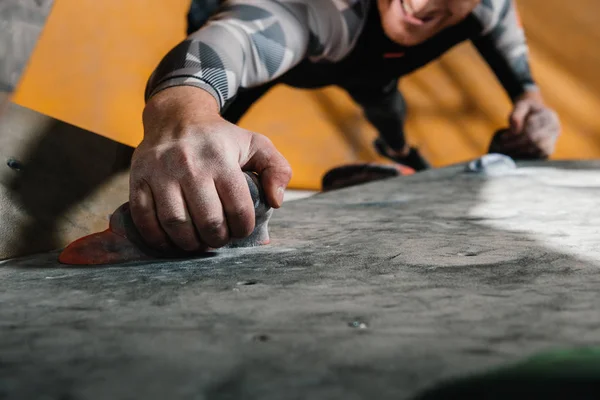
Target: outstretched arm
[[534, 128], [252, 42], [504, 47], [187, 188], [246, 44]]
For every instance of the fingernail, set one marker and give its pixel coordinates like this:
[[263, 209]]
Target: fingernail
[[280, 193]]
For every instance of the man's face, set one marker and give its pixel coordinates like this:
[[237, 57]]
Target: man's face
[[411, 22]]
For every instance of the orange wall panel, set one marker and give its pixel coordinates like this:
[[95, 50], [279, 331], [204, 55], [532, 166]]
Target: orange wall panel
[[93, 59]]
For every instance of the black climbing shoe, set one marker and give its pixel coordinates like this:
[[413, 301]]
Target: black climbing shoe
[[414, 159], [356, 174]]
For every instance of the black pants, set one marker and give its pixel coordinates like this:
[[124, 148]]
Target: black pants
[[384, 108]]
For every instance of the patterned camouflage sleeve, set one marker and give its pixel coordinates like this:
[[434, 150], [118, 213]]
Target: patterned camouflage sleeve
[[504, 47], [251, 42]]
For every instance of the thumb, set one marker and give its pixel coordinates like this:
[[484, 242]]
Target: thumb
[[518, 116], [272, 168]]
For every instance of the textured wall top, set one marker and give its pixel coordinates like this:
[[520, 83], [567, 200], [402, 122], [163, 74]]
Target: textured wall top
[[373, 292]]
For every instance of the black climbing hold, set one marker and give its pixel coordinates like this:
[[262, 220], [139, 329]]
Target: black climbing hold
[[261, 338], [247, 283]]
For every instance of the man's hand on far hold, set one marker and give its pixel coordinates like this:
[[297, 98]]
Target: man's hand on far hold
[[187, 185], [534, 130]]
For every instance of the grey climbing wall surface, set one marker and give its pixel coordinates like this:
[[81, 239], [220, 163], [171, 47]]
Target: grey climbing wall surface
[[373, 292], [57, 182]]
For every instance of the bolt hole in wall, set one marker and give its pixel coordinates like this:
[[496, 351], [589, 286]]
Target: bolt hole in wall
[[14, 164]]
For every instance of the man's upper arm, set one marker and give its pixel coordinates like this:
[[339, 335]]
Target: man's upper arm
[[248, 42], [503, 45], [252, 42]]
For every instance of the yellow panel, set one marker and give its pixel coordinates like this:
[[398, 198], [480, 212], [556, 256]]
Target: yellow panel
[[93, 59]]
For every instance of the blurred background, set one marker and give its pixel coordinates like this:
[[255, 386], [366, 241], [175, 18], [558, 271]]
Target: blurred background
[[94, 57]]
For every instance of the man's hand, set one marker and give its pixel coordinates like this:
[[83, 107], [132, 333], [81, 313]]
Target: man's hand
[[534, 129], [187, 187]]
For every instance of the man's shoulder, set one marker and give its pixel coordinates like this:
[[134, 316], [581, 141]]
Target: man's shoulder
[[491, 12], [335, 24]]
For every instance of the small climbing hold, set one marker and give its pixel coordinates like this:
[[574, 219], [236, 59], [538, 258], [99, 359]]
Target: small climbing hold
[[492, 165], [357, 325]]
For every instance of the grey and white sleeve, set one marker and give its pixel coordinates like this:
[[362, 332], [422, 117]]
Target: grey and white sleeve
[[252, 42], [504, 46]]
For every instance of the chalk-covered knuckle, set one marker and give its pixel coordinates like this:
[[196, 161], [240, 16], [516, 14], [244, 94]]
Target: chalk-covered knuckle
[[212, 225], [174, 162], [187, 162], [214, 152], [141, 162], [213, 231], [137, 186], [171, 220]]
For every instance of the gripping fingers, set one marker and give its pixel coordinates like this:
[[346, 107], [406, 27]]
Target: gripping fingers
[[237, 204], [174, 217], [206, 210], [543, 129], [274, 170], [143, 213], [518, 117]]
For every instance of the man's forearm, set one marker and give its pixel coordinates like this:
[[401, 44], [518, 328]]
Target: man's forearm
[[503, 45]]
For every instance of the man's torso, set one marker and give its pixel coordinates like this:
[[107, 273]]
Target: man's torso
[[366, 55]]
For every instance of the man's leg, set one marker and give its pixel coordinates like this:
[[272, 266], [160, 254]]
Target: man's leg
[[385, 108]]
